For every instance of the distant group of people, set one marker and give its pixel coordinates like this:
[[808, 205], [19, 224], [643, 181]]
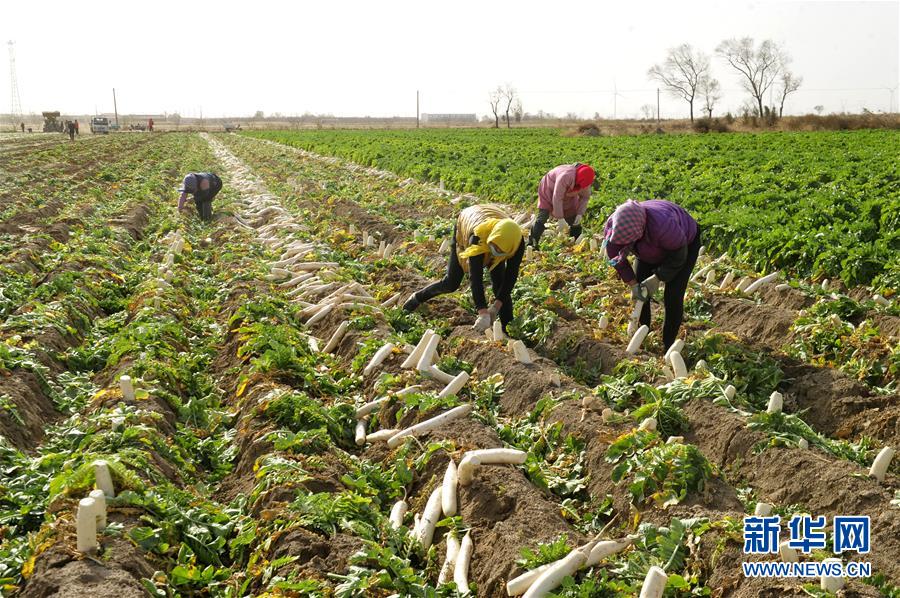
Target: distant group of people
[[71, 127]]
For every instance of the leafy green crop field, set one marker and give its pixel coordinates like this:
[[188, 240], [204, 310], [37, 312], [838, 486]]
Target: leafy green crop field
[[823, 204]]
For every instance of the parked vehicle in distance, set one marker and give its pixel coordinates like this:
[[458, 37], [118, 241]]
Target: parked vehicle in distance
[[99, 124]]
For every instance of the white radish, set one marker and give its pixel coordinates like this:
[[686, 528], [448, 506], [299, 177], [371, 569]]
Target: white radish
[[520, 351], [336, 336], [825, 284], [361, 431], [461, 570], [416, 355], [648, 425], [607, 415], [606, 548], [776, 402], [726, 282], [678, 366], [604, 322], [445, 245], [762, 281], [675, 440], [398, 512], [100, 506], [637, 339], [439, 375], [743, 284], [455, 385], [381, 247], [497, 331], [710, 277], [788, 554], [880, 300], [803, 443], [430, 516], [320, 315], [86, 525], [381, 435], [392, 300], [408, 390], [730, 392], [446, 574], [370, 407], [427, 358], [378, 358], [127, 388], [654, 583], [429, 424], [519, 585], [782, 287], [593, 244], [763, 509], [828, 583], [388, 251], [448, 490], [472, 459], [880, 464], [550, 579], [103, 479]]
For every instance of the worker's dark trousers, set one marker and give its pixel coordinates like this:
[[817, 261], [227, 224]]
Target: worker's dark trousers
[[453, 279], [540, 224], [203, 200], [673, 298]]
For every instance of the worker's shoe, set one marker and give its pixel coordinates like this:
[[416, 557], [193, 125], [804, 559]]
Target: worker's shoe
[[412, 303]]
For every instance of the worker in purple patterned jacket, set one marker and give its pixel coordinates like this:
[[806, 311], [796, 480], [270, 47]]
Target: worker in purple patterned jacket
[[665, 239]]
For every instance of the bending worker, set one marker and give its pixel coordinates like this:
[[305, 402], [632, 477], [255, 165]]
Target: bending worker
[[666, 241], [203, 186], [563, 194], [485, 237]]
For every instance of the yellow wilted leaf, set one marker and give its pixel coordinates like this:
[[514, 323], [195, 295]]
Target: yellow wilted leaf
[[242, 386], [100, 393], [187, 246], [637, 519]]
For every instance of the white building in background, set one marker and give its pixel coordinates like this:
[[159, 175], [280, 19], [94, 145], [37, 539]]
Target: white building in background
[[447, 118]]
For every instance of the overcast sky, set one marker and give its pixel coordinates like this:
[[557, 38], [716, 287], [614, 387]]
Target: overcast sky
[[369, 57]]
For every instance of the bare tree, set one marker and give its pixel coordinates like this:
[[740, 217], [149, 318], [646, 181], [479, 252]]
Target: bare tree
[[648, 110], [509, 95], [759, 67], [789, 84], [681, 73], [819, 108], [711, 92], [494, 98]]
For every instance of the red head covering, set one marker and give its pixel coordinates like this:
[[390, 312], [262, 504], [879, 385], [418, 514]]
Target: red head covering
[[584, 176]]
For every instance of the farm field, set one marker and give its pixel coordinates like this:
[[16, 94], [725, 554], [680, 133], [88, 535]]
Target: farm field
[[268, 358], [821, 205]]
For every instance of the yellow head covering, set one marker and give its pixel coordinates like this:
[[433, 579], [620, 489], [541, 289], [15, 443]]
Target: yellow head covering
[[504, 233]]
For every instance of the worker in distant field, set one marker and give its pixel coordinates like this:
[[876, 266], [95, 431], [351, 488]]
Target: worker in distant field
[[150, 125], [485, 237], [665, 239], [563, 194], [203, 186], [70, 126], [22, 125], [77, 132]]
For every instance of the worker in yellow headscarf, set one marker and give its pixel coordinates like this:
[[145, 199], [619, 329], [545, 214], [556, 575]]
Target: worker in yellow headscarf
[[485, 237]]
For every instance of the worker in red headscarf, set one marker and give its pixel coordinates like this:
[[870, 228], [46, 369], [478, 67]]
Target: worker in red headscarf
[[563, 194]]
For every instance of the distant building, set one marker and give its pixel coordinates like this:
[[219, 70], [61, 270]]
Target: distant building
[[448, 118]]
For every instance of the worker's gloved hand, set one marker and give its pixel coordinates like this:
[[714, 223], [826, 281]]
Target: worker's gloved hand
[[639, 293], [652, 285], [577, 220], [483, 322], [575, 231], [493, 310]]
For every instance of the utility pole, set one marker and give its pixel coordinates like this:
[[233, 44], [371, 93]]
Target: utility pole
[[115, 108], [657, 106], [417, 108], [15, 107]]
